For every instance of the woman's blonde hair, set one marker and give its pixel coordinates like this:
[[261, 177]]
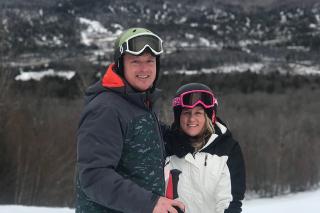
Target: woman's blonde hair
[[209, 128]]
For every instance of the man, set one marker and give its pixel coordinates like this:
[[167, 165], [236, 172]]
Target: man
[[120, 151]]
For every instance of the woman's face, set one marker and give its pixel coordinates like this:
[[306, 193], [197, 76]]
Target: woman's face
[[192, 121]]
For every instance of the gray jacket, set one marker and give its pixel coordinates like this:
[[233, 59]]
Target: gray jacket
[[120, 151]]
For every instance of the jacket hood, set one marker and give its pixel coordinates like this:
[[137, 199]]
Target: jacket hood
[[177, 143], [112, 82]]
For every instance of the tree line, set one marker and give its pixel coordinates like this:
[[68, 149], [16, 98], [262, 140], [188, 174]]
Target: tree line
[[274, 117]]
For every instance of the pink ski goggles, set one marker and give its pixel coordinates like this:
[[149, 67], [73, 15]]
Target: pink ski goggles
[[192, 98]]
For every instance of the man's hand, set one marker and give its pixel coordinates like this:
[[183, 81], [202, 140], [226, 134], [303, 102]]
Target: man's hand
[[165, 205]]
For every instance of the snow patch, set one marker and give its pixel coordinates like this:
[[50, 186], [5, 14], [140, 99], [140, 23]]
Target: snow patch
[[283, 18], [214, 27], [33, 209], [194, 24], [259, 68], [244, 67], [204, 42], [293, 203], [37, 76], [299, 48], [96, 34], [313, 26], [93, 26], [317, 16], [181, 20], [248, 22], [189, 36], [304, 70]]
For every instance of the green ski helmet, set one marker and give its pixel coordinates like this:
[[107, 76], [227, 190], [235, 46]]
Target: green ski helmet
[[137, 41]]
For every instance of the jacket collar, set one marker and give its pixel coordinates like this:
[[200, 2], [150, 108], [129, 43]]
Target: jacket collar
[[214, 136], [111, 79], [178, 144]]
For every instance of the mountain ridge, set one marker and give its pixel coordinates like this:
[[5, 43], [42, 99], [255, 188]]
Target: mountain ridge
[[54, 30]]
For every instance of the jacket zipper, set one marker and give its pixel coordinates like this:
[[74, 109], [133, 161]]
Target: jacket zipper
[[161, 138], [205, 160], [205, 157]]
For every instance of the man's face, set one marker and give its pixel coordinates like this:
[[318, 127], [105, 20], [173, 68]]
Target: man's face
[[140, 71]]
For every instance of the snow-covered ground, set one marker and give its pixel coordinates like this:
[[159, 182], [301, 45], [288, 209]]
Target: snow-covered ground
[[24, 209], [293, 203]]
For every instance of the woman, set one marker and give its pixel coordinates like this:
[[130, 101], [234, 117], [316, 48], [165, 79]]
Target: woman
[[199, 146]]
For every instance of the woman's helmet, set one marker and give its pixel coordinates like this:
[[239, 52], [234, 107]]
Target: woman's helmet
[[136, 41], [192, 95]]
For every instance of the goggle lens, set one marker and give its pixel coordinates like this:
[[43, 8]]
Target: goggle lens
[[191, 99]]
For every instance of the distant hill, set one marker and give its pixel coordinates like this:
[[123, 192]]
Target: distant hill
[[59, 31]]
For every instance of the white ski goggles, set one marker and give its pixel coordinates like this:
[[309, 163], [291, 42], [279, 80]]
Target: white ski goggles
[[136, 44]]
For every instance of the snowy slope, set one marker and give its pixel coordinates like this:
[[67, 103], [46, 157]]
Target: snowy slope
[[23, 209], [294, 203]]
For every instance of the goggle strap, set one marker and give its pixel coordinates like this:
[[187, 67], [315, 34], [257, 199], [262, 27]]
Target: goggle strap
[[143, 49]]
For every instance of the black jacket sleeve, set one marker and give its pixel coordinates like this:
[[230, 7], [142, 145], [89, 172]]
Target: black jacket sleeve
[[100, 141], [165, 131], [238, 180]]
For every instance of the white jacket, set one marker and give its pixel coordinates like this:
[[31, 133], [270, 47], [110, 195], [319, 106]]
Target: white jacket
[[204, 183]]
